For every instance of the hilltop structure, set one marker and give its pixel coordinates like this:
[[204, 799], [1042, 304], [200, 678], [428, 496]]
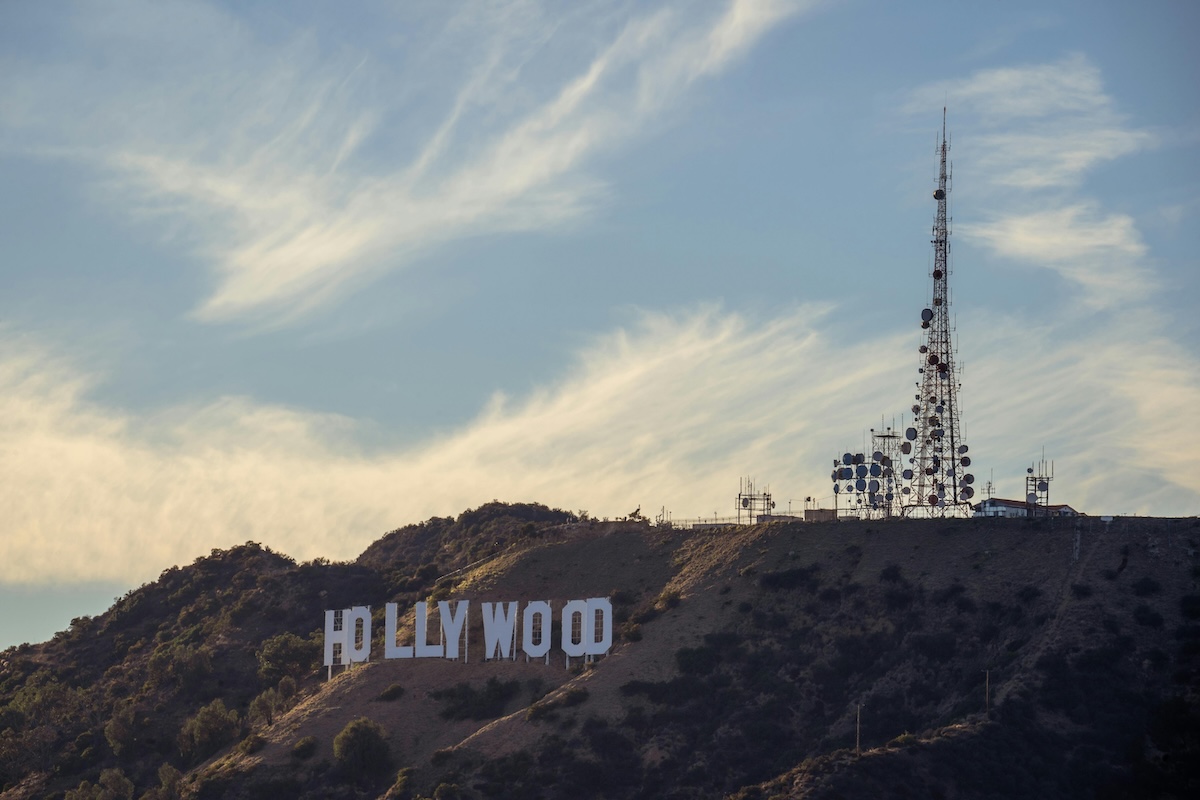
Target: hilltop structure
[[937, 483]]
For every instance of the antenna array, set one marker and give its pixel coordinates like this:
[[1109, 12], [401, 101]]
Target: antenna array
[[938, 483]]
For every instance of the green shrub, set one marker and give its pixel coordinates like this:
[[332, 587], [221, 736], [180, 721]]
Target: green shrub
[[361, 749], [286, 655], [393, 692], [402, 786], [304, 748], [264, 707], [251, 744], [668, 599], [205, 733]]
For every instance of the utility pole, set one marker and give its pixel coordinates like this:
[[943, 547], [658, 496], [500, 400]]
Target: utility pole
[[858, 732]]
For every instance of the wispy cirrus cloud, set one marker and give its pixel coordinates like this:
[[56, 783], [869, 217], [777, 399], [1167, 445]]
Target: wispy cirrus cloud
[[297, 174], [1035, 133], [669, 411]]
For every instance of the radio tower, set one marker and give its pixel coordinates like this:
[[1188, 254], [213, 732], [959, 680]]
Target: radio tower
[[938, 483]]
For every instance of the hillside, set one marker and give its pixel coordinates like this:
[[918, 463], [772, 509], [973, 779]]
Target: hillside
[[741, 658]]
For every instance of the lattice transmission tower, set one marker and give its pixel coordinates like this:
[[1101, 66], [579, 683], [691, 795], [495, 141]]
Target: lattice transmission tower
[[937, 482]]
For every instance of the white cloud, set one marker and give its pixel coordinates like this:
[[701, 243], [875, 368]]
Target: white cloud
[[298, 174], [1032, 135], [1101, 254], [669, 412]]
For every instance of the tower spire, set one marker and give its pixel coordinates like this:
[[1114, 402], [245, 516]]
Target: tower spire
[[938, 481]]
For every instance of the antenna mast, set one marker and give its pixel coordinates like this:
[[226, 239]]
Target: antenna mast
[[938, 483]]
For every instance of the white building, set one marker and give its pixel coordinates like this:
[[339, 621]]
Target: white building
[[999, 507]]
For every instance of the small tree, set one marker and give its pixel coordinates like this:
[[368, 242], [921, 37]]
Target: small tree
[[120, 731], [286, 654], [213, 726], [361, 749], [264, 707]]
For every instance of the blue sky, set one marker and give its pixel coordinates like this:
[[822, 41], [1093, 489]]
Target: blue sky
[[301, 275]]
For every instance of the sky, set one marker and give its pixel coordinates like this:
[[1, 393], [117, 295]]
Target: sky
[[302, 273]]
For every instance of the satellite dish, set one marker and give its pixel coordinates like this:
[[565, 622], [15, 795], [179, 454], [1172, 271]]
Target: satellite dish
[[859, 458], [876, 471], [907, 474], [962, 448], [1031, 498], [888, 497], [847, 458], [923, 349], [745, 502], [886, 461], [861, 470], [836, 488], [860, 485], [933, 359], [937, 273], [1030, 470], [772, 504], [906, 448], [967, 493], [968, 478], [877, 456], [926, 314], [916, 409], [924, 324], [933, 499], [910, 434], [939, 194], [965, 460], [1043, 486], [905, 490], [873, 486]]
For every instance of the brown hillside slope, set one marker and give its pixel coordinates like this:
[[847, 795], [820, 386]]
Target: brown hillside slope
[[744, 654]]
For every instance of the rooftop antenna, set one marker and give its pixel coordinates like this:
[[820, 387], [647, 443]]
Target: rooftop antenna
[[938, 483]]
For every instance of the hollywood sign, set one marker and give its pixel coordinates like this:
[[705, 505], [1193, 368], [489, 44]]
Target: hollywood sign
[[585, 631]]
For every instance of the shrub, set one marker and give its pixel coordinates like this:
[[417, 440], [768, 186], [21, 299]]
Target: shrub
[[1028, 594], [361, 749], [465, 702], [402, 787], [264, 707], [304, 748], [1145, 615], [393, 692], [668, 599], [802, 578], [1144, 587], [1081, 590], [286, 654], [890, 574], [212, 727], [251, 744], [120, 732], [697, 660]]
